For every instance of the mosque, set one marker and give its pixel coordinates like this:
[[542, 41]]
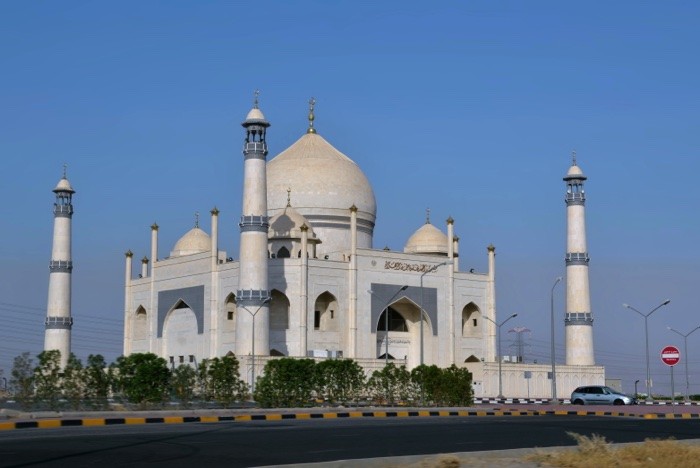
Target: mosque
[[308, 281]]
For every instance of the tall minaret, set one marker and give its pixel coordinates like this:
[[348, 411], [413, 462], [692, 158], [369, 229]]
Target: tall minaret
[[578, 321], [253, 295], [58, 318]]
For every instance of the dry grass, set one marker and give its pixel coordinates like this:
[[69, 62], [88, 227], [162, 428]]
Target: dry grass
[[596, 452]]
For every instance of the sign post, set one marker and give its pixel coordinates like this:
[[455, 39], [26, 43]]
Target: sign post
[[671, 356]]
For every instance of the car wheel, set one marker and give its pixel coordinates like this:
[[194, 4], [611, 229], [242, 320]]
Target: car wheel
[[618, 402], [578, 401]]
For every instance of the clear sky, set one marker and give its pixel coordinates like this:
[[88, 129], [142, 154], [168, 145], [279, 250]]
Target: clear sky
[[469, 108]]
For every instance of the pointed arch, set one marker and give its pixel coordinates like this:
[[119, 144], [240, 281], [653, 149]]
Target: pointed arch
[[180, 334], [326, 312], [139, 329], [230, 310], [472, 321], [279, 311], [383, 356], [472, 358], [397, 322], [275, 352], [283, 252]]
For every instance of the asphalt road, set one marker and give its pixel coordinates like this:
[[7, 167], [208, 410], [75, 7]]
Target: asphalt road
[[286, 442]]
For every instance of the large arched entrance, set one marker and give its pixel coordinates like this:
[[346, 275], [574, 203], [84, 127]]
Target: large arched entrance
[[404, 338], [181, 342]]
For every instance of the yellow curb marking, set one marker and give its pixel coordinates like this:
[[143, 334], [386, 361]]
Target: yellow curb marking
[[329, 415], [355, 414], [244, 417], [379, 414], [173, 420], [303, 416], [6, 426], [274, 417], [47, 423], [93, 422]]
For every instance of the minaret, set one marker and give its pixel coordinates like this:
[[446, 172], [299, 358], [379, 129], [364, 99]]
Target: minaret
[[253, 295], [578, 321], [58, 317]]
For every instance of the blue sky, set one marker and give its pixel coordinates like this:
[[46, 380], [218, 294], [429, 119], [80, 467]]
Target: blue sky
[[469, 108]]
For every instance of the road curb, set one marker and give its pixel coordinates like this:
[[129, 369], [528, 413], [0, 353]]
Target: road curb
[[95, 422]]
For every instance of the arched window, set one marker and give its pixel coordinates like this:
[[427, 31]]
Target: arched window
[[283, 252], [140, 326], [326, 312], [472, 358], [397, 323], [274, 352], [279, 311], [471, 320], [230, 313]]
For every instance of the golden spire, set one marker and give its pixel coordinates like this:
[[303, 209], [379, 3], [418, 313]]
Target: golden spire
[[312, 103]]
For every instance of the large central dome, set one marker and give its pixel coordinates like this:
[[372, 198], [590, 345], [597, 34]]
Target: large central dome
[[323, 185]]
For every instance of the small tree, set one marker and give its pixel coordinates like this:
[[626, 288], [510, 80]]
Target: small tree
[[456, 387], [224, 380], [286, 383], [426, 380], [391, 384], [98, 381], [339, 380], [73, 382], [143, 378], [47, 377], [22, 379], [182, 382]]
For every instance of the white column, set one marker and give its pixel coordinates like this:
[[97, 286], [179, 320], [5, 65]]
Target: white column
[[352, 309], [215, 316], [491, 307], [304, 292], [451, 291], [152, 316], [128, 318], [144, 267]]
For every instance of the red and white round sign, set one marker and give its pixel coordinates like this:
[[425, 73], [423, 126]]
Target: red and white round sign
[[670, 355]]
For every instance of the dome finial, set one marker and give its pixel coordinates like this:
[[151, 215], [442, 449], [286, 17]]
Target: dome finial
[[65, 168], [573, 158], [256, 94], [312, 103], [289, 197], [196, 219], [427, 216]]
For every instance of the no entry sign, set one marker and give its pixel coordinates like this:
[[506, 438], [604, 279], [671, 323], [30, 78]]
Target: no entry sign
[[670, 355]]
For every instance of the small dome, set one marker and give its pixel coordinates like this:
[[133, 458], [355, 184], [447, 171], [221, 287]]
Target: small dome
[[195, 241], [255, 114], [64, 186], [574, 171], [287, 225], [427, 240]]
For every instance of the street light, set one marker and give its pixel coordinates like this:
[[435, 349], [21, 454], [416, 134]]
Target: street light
[[646, 335], [386, 320], [429, 270], [554, 367], [252, 357], [685, 350], [500, 358]]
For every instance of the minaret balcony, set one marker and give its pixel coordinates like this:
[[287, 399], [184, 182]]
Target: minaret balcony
[[575, 198], [254, 223], [60, 266], [63, 210], [59, 322], [255, 147], [577, 258]]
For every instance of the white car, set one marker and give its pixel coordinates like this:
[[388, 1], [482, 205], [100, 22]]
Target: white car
[[600, 395]]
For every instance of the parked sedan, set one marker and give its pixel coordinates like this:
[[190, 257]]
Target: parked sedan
[[600, 395]]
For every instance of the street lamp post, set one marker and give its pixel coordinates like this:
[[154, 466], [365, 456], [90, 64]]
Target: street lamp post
[[685, 351], [429, 270], [646, 337], [500, 358], [385, 309], [252, 357], [554, 368]]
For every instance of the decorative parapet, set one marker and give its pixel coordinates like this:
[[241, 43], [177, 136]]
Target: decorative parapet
[[252, 297], [575, 198]]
